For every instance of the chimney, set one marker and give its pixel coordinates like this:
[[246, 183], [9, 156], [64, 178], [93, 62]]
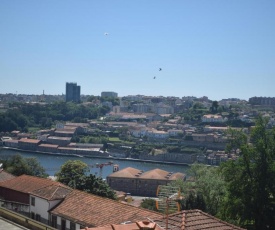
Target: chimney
[[146, 225]]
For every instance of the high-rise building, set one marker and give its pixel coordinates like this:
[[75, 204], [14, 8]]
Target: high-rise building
[[72, 92]]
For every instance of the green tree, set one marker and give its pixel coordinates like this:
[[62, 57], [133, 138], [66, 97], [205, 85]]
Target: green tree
[[205, 190], [35, 168], [74, 173], [236, 138], [97, 186], [214, 107], [17, 165], [251, 181], [149, 204]]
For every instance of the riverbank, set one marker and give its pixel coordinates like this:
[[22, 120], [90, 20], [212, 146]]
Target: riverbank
[[110, 158]]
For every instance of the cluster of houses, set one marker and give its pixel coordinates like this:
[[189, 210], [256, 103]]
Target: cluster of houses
[[150, 119], [54, 204], [56, 140]]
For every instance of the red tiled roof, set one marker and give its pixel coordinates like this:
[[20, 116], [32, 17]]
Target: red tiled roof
[[128, 172], [27, 184], [26, 140], [5, 175], [160, 175], [194, 219], [129, 226], [48, 145], [91, 210], [52, 192], [155, 174]]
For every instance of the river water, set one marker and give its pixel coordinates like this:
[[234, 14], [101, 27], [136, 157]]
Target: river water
[[52, 163]]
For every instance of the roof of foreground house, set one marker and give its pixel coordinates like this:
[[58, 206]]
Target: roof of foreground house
[[52, 192], [140, 225], [194, 219], [5, 175], [185, 220], [27, 184], [91, 210]]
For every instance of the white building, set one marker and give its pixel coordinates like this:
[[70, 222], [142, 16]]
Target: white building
[[44, 199], [214, 118]]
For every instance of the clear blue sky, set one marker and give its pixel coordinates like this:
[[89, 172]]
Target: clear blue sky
[[215, 48]]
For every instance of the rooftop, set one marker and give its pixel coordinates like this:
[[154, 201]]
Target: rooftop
[[194, 219], [91, 210], [27, 184], [5, 175]]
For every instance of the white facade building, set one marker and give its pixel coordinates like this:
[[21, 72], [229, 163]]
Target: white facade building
[[214, 118]]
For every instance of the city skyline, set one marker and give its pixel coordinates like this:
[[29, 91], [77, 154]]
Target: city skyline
[[219, 49]]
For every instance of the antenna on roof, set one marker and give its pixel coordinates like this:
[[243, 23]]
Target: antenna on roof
[[168, 200]]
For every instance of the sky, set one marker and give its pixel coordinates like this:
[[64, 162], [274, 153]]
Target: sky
[[215, 48]]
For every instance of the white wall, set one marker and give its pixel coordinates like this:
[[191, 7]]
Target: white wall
[[42, 206]]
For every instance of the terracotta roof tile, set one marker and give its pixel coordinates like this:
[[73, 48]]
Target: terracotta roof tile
[[5, 175], [26, 140], [156, 174], [127, 173], [91, 210], [52, 192], [177, 175], [26, 183], [129, 226], [194, 219], [161, 175]]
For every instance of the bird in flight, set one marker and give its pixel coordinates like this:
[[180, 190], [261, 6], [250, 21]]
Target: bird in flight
[[160, 69], [106, 34], [154, 77]]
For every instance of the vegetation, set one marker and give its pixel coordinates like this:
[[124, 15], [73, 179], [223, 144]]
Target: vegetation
[[250, 181], [75, 174], [17, 165], [241, 191], [21, 116], [149, 204], [204, 190]]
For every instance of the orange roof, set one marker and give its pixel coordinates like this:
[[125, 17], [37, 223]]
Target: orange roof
[[27, 184], [155, 174], [126, 173], [26, 140], [5, 175], [52, 192], [148, 225], [177, 175], [48, 145], [91, 210], [194, 219]]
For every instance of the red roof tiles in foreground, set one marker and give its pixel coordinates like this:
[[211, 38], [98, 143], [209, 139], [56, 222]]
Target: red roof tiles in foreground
[[141, 225], [91, 210], [52, 192], [5, 175], [26, 183], [194, 220]]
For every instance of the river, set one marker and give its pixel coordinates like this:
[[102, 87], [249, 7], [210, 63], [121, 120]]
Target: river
[[52, 163]]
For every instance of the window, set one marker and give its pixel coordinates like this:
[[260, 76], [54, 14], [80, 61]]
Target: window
[[63, 224], [72, 226], [38, 217], [32, 201], [54, 221]]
